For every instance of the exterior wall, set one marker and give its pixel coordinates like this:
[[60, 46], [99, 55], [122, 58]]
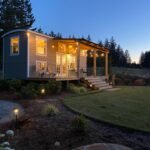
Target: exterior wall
[[50, 58], [15, 67]]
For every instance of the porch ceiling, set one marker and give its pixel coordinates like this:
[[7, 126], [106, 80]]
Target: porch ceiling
[[84, 44]]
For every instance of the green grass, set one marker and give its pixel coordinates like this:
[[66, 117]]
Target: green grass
[[129, 107]]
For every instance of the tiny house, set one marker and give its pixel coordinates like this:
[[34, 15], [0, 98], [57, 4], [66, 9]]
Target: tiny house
[[31, 55]]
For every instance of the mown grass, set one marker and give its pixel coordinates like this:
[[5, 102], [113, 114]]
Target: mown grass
[[129, 106]]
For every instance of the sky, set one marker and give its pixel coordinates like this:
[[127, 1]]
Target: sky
[[128, 21]]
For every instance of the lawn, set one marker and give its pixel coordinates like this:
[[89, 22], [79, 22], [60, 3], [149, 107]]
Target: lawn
[[129, 106]]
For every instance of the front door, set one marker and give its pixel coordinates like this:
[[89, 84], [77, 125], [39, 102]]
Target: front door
[[61, 65]]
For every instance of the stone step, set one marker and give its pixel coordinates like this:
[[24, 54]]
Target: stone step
[[98, 77], [100, 84], [95, 80], [105, 88]]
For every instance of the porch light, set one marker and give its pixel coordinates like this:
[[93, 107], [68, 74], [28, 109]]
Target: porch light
[[102, 55], [42, 91], [53, 46], [70, 46], [97, 55], [28, 34]]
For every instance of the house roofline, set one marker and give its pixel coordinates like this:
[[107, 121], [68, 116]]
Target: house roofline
[[86, 42], [25, 30]]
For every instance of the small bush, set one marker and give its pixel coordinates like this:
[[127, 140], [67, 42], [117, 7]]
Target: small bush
[[128, 81], [4, 85], [79, 124], [49, 110], [139, 82], [29, 91], [15, 85], [118, 81], [53, 87], [76, 89]]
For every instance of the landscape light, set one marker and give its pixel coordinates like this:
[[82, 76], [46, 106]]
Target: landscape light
[[42, 91], [28, 33], [16, 113]]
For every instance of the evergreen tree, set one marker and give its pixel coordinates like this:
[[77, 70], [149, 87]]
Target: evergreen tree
[[127, 56], [89, 38], [52, 34], [100, 43], [40, 30], [15, 14], [142, 58], [106, 43]]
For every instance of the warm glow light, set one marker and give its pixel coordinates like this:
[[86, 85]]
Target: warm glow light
[[102, 55], [28, 34], [16, 111], [53, 46], [70, 46], [97, 55], [43, 91]]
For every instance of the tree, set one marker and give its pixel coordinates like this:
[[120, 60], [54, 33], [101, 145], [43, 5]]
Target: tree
[[52, 34], [127, 56], [15, 14], [89, 38], [40, 30], [142, 58]]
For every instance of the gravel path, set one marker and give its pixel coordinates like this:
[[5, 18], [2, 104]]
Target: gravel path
[[6, 110]]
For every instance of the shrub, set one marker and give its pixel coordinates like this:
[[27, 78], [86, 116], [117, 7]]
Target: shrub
[[139, 82], [118, 81], [49, 110], [76, 89], [29, 91], [4, 85], [15, 85], [79, 124], [128, 81], [53, 87]]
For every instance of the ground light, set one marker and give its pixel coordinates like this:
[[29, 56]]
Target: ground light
[[16, 113], [42, 91]]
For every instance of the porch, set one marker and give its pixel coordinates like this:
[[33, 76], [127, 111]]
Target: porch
[[71, 60]]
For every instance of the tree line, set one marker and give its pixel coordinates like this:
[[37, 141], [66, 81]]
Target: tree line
[[145, 59], [16, 14]]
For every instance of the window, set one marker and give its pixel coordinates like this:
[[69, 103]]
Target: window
[[41, 66], [15, 46], [41, 46]]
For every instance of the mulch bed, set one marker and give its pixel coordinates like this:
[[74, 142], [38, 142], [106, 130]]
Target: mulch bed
[[38, 132]]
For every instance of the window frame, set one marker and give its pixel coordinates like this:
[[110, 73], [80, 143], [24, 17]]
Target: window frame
[[39, 61], [11, 51], [42, 38]]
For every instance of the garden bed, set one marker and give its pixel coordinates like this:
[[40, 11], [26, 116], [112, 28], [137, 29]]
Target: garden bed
[[41, 132]]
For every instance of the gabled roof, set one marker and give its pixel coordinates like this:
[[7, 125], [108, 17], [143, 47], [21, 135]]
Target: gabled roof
[[25, 30]]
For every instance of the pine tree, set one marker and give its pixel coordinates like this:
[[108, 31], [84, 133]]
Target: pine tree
[[15, 14], [127, 56], [142, 58], [40, 30], [89, 38]]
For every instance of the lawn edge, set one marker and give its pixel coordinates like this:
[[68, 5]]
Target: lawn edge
[[90, 117]]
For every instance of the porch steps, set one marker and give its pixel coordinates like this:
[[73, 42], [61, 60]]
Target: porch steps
[[98, 83]]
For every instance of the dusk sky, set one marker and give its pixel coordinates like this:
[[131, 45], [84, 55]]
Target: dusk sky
[[128, 21]]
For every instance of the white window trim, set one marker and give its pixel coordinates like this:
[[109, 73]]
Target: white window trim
[[45, 39], [11, 54], [40, 61]]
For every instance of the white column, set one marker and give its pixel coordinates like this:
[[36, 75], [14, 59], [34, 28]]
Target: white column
[[78, 59], [94, 64], [106, 64]]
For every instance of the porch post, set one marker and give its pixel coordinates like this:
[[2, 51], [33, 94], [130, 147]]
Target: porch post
[[106, 64], [78, 59], [94, 63]]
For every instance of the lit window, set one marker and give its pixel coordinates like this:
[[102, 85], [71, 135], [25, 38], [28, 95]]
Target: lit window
[[41, 66], [14, 45], [41, 46]]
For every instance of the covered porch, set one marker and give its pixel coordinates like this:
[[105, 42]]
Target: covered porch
[[71, 58]]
